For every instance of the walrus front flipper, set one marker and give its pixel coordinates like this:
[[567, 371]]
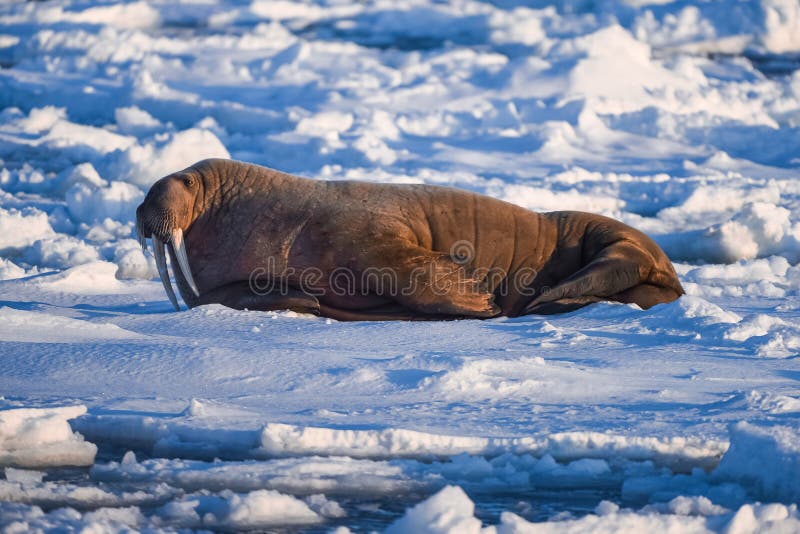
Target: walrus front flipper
[[240, 296], [430, 283]]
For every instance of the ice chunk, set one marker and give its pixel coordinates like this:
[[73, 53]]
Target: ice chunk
[[93, 278], [20, 228], [132, 263], [760, 229], [450, 511], [135, 121], [765, 459], [257, 509], [42, 437], [144, 164], [117, 201], [9, 270], [60, 252]]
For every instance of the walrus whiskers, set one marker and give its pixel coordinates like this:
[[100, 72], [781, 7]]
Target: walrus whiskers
[[161, 263], [140, 234], [179, 248]]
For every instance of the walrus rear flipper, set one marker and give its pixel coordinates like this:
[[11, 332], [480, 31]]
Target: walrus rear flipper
[[560, 306], [647, 295], [600, 279]]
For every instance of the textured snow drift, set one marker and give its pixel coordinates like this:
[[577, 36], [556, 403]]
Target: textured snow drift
[[680, 118]]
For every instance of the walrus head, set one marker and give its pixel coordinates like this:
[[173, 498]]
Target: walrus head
[[170, 206]]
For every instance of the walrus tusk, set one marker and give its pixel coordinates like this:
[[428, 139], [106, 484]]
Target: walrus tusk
[[179, 248], [161, 263]]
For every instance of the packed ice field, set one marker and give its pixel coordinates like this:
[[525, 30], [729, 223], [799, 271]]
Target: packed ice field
[[681, 118]]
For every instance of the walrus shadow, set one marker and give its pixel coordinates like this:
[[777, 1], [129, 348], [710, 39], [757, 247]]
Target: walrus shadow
[[95, 411], [410, 378], [474, 29], [91, 310], [643, 340], [791, 375], [661, 406], [143, 308], [25, 305]]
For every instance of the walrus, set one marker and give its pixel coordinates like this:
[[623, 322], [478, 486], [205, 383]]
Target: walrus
[[250, 237]]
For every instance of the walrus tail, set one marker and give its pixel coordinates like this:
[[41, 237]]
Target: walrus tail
[[666, 280], [615, 274]]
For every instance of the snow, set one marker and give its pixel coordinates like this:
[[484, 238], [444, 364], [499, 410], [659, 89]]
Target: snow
[[679, 118]]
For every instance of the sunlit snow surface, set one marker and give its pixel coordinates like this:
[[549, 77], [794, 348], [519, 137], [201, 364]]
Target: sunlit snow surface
[[680, 118]]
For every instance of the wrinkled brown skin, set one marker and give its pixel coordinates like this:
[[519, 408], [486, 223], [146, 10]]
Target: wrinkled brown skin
[[235, 216]]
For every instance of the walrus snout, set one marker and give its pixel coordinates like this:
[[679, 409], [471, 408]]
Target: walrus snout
[[160, 225], [152, 221]]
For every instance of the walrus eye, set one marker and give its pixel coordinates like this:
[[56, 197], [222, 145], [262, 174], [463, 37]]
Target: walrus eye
[[188, 181]]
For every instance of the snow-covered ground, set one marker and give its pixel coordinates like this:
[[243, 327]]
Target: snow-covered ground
[[681, 118]]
